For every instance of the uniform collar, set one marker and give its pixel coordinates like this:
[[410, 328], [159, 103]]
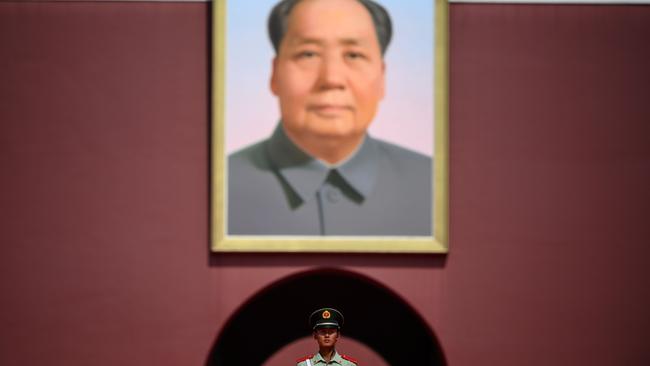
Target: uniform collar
[[306, 174], [336, 358]]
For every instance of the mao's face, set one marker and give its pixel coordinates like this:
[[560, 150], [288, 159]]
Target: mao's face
[[329, 73]]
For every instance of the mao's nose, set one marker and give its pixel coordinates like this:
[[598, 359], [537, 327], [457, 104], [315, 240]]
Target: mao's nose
[[332, 73]]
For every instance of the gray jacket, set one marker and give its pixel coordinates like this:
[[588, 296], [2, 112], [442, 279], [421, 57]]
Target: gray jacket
[[274, 188]]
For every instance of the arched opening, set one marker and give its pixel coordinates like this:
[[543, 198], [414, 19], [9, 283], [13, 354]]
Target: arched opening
[[375, 316]]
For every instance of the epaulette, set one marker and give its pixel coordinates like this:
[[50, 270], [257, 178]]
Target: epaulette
[[304, 358], [350, 359]]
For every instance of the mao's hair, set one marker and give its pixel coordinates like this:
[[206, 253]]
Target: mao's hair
[[279, 18]]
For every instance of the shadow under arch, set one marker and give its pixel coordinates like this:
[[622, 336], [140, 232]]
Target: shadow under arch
[[374, 315]]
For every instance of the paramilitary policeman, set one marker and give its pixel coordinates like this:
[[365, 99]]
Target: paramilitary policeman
[[326, 326]]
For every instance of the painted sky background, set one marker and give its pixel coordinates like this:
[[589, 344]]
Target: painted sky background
[[405, 116]]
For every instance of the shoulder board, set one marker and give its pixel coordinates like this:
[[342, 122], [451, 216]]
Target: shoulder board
[[305, 358], [349, 359]]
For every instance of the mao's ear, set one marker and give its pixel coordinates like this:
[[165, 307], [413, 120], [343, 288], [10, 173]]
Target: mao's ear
[[383, 80], [274, 81]]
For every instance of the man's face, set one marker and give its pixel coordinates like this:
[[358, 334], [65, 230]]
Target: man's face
[[329, 72], [326, 337]]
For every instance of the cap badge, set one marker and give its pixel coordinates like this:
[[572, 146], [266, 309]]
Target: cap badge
[[326, 314]]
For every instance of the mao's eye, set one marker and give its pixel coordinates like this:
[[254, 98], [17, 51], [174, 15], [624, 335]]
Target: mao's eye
[[306, 54], [352, 55]]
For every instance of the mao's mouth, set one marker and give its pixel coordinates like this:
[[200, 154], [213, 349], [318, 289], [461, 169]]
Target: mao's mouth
[[330, 110]]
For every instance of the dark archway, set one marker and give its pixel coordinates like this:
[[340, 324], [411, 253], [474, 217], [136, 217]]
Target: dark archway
[[374, 315]]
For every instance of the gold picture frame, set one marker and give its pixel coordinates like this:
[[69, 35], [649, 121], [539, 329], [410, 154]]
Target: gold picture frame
[[437, 243]]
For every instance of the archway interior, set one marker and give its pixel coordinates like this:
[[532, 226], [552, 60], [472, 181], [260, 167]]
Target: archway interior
[[278, 316]]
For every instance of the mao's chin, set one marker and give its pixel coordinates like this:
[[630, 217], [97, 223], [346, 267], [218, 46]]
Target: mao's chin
[[333, 126], [332, 130]]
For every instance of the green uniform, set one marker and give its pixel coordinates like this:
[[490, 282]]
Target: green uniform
[[318, 360]]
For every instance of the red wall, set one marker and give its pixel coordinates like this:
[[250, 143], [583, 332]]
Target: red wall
[[104, 150]]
